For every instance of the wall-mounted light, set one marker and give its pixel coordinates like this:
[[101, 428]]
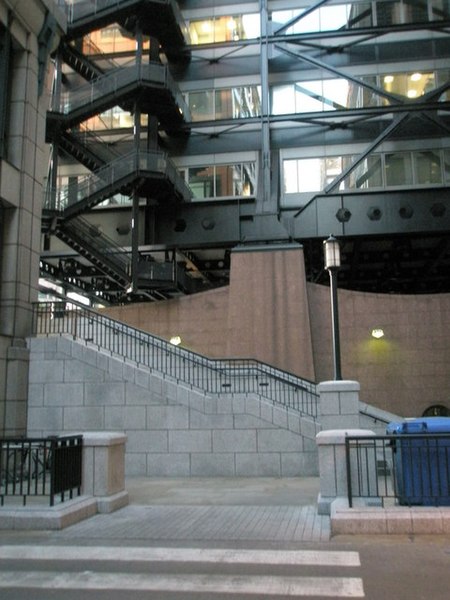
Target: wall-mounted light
[[377, 333], [175, 340]]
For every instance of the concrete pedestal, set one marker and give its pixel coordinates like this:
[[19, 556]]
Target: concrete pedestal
[[332, 465], [104, 469]]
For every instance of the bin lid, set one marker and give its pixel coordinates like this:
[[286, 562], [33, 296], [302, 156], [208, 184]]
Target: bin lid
[[420, 425]]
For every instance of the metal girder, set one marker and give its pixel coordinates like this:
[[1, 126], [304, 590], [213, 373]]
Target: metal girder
[[397, 121], [322, 65]]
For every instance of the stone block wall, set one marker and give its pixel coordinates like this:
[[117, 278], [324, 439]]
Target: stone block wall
[[172, 430]]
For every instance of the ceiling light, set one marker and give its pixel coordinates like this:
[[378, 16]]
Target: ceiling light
[[412, 93], [388, 78], [416, 77], [377, 333]]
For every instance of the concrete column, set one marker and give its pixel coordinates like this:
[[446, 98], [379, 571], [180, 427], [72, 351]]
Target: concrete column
[[332, 465], [268, 311], [339, 404], [104, 469]]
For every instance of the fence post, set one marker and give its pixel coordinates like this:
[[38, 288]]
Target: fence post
[[104, 469], [332, 465]]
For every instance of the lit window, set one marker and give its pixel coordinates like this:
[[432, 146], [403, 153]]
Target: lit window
[[225, 29]]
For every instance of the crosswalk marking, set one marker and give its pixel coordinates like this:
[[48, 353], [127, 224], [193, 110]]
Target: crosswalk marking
[[192, 555], [336, 587]]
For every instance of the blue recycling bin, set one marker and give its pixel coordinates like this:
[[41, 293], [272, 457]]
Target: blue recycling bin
[[422, 461]]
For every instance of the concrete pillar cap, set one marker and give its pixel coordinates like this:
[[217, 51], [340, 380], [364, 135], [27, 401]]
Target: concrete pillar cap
[[337, 436]]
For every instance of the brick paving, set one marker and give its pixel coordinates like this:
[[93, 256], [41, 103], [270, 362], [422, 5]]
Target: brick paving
[[206, 523]]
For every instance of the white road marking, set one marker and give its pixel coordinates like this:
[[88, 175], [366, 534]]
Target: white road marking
[[190, 555], [335, 587]]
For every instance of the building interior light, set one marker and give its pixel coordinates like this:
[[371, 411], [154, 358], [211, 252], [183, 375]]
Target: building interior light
[[175, 340], [388, 78], [412, 93], [416, 76], [377, 333]]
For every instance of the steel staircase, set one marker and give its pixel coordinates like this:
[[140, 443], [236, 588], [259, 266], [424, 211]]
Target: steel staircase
[[141, 86]]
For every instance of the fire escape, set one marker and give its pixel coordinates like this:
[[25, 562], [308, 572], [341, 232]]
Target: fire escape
[[144, 174]]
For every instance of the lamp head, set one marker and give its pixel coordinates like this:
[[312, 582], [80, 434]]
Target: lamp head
[[332, 253]]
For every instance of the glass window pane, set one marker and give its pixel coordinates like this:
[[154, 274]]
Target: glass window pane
[[290, 176], [360, 15], [246, 102], [308, 24], [311, 174], [443, 76], [202, 32], [410, 85], [359, 96], [398, 169], [283, 100], [367, 174], [447, 165], [334, 17], [201, 181], [439, 9], [224, 180], [308, 96], [415, 11], [336, 94], [389, 12], [333, 168], [201, 105], [224, 104], [244, 179], [427, 167]]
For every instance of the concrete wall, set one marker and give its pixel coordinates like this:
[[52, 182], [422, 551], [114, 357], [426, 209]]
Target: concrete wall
[[269, 312], [23, 166], [172, 430]]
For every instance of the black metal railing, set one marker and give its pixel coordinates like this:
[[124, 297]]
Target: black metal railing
[[406, 470], [215, 376], [48, 467]]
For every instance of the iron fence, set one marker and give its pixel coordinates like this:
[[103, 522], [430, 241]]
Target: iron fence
[[217, 376], [49, 467], [407, 470]]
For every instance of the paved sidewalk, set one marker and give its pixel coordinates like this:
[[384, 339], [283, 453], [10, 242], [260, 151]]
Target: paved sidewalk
[[206, 509]]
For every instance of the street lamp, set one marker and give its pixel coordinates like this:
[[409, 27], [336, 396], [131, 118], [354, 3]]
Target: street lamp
[[332, 256]]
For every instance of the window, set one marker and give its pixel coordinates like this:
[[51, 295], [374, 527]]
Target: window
[[431, 167], [201, 105], [326, 18], [222, 180], [446, 156], [340, 94], [409, 85], [110, 40], [229, 103], [427, 167], [437, 410], [310, 174], [225, 29], [367, 174], [398, 169]]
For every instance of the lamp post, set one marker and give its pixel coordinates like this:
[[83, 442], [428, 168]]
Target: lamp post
[[332, 256]]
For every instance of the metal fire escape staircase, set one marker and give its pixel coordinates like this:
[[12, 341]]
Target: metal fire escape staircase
[[139, 173]]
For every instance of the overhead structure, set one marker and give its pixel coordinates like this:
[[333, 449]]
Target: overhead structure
[[182, 131]]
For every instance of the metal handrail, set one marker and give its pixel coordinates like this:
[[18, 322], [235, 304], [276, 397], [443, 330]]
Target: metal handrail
[[49, 467], [111, 82], [406, 469], [215, 376], [107, 177]]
